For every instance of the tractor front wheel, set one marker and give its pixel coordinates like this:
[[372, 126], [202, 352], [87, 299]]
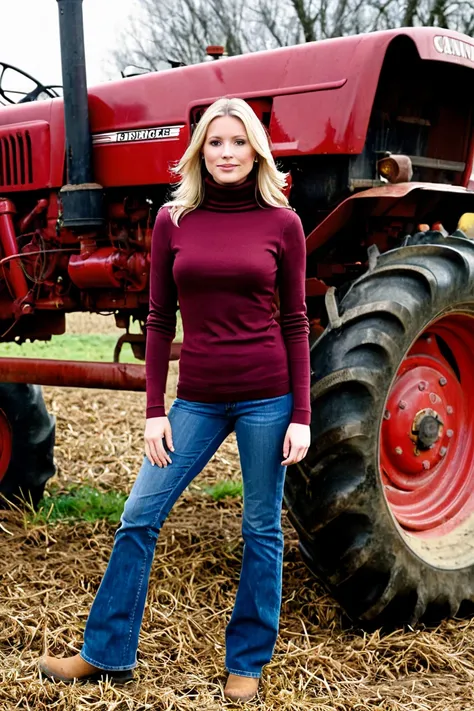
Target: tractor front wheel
[[384, 501]]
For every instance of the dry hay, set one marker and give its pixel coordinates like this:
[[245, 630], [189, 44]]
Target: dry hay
[[50, 575]]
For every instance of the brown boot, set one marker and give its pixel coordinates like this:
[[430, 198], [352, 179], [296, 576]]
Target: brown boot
[[70, 669], [241, 688]]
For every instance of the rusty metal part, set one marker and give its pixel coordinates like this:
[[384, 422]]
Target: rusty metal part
[[137, 342], [75, 374], [396, 168], [426, 429]]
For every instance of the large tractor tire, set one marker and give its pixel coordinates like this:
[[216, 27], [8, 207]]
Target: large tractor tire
[[384, 501], [27, 433]]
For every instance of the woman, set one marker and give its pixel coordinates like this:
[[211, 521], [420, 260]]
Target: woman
[[221, 247]]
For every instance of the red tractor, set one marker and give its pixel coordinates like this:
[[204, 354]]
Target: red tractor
[[376, 132]]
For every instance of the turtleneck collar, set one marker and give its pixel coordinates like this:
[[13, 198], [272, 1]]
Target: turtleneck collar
[[230, 198]]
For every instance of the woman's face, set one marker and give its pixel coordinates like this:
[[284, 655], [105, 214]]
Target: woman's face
[[227, 152]]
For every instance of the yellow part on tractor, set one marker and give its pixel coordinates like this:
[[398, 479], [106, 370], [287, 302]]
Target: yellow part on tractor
[[466, 224]]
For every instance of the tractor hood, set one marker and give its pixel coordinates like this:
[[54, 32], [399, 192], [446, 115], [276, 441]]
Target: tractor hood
[[315, 98]]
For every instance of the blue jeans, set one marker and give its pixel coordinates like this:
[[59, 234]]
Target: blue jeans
[[113, 626]]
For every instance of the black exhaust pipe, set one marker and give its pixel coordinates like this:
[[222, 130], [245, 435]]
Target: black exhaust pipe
[[81, 197]]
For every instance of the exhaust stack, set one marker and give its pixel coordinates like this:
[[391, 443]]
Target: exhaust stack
[[81, 197]]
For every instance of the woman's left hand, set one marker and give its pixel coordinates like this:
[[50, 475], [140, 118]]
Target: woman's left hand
[[296, 444]]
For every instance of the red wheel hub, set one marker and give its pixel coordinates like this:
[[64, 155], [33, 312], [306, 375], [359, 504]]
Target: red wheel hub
[[427, 435], [5, 444]]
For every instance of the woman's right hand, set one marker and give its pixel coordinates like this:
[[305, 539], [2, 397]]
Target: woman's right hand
[[157, 428]]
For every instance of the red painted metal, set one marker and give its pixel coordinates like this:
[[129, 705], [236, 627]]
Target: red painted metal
[[13, 272], [40, 207], [77, 374], [315, 287], [109, 267], [20, 148], [315, 99], [375, 202], [468, 177], [334, 80], [5, 444], [83, 374], [431, 491]]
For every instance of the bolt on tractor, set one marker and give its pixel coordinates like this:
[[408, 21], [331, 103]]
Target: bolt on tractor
[[376, 133]]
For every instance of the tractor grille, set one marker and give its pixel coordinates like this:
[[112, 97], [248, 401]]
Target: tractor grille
[[16, 163]]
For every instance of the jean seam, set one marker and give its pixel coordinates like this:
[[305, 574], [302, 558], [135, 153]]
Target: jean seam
[[216, 436], [132, 614]]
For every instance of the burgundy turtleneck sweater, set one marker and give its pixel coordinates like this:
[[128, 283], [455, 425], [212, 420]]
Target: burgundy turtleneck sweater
[[222, 265]]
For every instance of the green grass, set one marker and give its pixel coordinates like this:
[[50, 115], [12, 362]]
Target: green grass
[[223, 489], [71, 347], [88, 347], [86, 503], [80, 504]]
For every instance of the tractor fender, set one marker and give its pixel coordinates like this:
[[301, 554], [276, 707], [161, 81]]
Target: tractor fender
[[379, 201]]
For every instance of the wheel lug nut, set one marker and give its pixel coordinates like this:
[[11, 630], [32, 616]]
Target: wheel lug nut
[[426, 464], [386, 415], [398, 450], [449, 433], [450, 410], [442, 451], [402, 404], [422, 386], [442, 381]]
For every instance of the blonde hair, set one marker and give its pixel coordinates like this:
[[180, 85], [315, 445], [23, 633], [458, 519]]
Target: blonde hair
[[189, 192]]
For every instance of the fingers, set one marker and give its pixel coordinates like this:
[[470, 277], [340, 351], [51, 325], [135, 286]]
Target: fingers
[[153, 453], [157, 430], [296, 455], [156, 452], [150, 456], [169, 437], [163, 456]]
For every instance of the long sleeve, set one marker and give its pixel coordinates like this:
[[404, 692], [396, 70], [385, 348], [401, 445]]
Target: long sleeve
[[161, 321], [293, 319]]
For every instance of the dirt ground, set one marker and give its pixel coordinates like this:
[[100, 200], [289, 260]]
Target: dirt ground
[[51, 573]]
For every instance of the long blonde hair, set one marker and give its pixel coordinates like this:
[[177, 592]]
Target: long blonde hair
[[189, 192]]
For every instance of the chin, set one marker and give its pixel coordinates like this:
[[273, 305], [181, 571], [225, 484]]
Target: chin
[[230, 178]]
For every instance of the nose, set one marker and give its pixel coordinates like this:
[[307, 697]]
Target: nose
[[226, 150]]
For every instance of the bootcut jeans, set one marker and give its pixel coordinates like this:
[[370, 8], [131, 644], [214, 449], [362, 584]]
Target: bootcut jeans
[[113, 625]]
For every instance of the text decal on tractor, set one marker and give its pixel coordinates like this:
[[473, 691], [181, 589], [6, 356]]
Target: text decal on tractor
[[143, 134], [449, 45]]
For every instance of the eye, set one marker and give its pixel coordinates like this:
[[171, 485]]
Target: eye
[[214, 142], [240, 142]]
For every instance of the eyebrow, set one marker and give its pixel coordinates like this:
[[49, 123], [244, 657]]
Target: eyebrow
[[240, 135]]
